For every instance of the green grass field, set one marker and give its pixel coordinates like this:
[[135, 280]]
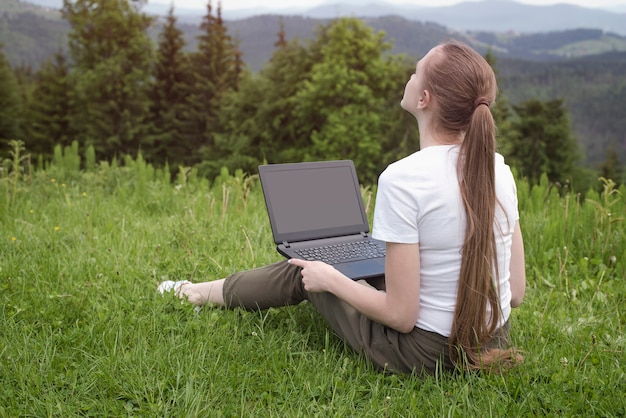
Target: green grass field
[[84, 332]]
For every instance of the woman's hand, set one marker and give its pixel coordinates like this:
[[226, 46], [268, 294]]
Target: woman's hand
[[316, 275], [397, 307]]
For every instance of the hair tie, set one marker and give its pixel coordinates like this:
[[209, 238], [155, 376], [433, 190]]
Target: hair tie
[[480, 101]]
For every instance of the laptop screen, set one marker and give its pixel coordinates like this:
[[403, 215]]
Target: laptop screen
[[313, 200]]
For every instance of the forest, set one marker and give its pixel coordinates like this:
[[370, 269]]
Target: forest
[[121, 88]]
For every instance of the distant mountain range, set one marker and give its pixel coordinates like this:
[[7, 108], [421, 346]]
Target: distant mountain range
[[486, 15]]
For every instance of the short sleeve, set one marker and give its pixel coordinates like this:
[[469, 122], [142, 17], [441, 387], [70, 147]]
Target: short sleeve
[[396, 211], [507, 192]]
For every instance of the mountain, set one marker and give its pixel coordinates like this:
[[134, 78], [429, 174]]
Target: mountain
[[372, 9], [488, 15], [503, 16], [485, 15], [30, 34]]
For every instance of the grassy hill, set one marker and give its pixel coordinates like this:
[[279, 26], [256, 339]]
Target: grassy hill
[[85, 333]]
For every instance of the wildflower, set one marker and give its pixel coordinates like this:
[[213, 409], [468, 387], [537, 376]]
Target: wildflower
[[62, 184], [13, 239], [53, 180], [31, 211], [56, 228], [84, 193]]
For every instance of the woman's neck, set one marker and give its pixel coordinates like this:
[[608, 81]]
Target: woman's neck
[[432, 137]]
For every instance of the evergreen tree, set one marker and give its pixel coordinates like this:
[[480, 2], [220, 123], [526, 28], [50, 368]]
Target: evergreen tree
[[112, 55], [10, 104], [168, 98], [50, 109], [612, 168], [214, 68], [501, 110], [258, 119], [239, 66], [342, 103], [336, 97], [25, 78], [281, 42], [544, 142]]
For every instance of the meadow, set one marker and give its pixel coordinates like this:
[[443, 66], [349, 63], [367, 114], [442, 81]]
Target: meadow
[[83, 245]]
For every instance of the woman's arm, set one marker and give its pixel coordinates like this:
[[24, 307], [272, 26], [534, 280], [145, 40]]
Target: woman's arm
[[517, 268], [397, 307]]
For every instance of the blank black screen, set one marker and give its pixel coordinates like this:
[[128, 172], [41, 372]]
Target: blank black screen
[[313, 199]]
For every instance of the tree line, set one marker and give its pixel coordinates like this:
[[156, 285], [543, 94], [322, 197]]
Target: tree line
[[332, 97]]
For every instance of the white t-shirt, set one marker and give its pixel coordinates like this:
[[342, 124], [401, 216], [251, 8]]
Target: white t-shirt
[[418, 201]]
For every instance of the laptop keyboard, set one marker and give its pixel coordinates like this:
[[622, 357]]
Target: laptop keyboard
[[341, 253]]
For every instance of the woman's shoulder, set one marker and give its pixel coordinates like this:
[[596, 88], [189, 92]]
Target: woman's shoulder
[[501, 166], [405, 168], [424, 160]]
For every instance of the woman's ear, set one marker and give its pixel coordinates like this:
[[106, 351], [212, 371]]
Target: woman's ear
[[424, 100]]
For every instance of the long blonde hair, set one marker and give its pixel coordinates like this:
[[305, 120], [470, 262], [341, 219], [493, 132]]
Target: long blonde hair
[[465, 86]]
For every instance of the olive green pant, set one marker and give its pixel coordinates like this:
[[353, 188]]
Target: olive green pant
[[280, 284]]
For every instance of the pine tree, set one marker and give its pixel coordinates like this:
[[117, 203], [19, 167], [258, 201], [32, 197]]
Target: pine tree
[[10, 104], [50, 109], [214, 76], [168, 97], [258, 121], [342, 102], [112, 55], [328, 99], [501, 110], [544, 142], [281, 42], [612, 168], [239, 66]]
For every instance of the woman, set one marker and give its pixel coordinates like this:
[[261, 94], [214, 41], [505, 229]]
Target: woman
[[448, 214]]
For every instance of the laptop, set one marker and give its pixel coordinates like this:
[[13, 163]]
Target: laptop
[[315, 208]]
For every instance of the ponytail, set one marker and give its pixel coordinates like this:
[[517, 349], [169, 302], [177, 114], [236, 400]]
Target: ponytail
[[477, 293], [465, 86]]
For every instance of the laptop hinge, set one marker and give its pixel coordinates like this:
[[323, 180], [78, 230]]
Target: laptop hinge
[[286, 244], [364, 234]]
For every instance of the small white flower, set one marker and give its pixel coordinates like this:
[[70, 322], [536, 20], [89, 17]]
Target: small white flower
[[254, 334], [178, 186], [564, 361]]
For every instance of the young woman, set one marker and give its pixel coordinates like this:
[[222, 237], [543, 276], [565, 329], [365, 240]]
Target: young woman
[[448, 214]]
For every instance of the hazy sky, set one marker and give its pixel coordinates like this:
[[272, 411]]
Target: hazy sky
[[284, 4]]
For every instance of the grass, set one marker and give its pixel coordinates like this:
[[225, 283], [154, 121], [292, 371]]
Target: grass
[[84, 333]]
